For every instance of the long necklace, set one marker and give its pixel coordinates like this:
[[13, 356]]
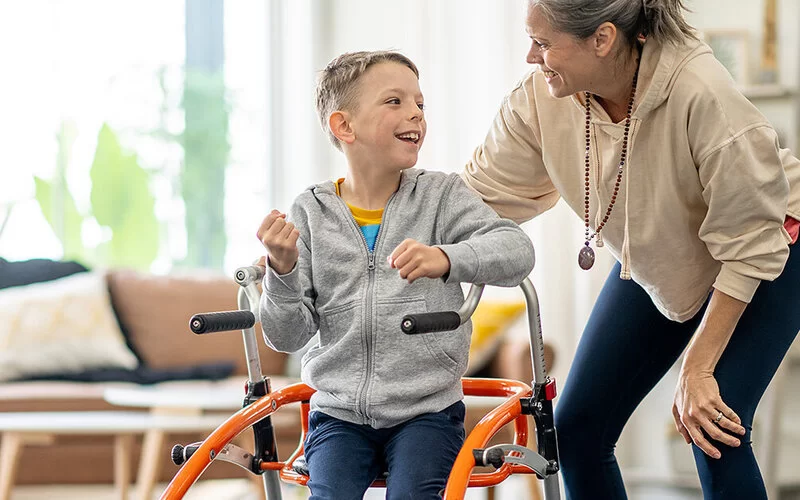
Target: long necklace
[[586, 255]]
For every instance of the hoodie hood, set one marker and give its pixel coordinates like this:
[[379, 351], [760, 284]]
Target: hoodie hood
[[408, 177], [661, 64]]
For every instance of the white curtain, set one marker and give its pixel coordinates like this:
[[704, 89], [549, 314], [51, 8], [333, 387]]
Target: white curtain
[[470, 54]]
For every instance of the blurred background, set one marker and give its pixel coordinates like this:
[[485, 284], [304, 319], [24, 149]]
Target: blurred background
[[157, 134]]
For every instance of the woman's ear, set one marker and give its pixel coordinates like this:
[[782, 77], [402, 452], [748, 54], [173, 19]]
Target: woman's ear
[[604, 38], [339, 122]]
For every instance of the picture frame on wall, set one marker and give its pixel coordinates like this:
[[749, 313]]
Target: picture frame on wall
[[731, 48]]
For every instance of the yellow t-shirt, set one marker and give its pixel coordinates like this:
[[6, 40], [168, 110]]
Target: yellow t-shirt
[[368, 220]]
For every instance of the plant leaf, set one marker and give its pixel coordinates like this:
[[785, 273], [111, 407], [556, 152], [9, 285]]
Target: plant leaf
[[122, 201], [63, 217]]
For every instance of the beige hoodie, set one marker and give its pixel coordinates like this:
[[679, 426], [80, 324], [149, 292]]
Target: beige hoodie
[[705, 189]]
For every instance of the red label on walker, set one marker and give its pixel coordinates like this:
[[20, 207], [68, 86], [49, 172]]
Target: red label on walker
[[550, 390]]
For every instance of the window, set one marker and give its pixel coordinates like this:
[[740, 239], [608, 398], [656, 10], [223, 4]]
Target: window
[[99, 73]]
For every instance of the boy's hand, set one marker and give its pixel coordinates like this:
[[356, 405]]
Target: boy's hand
[[415, 260], [280, 239]]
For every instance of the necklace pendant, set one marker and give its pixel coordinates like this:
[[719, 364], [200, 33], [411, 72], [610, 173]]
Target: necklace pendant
[[586, 258]]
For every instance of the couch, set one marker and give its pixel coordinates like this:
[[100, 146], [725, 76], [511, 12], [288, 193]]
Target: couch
[[153, 312]]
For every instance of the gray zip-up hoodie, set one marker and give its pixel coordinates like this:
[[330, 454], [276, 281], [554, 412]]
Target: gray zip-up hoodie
[[365, 370]]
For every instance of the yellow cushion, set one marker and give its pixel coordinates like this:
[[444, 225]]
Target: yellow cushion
[[489, 323]]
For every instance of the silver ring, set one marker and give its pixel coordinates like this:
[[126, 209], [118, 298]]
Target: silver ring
[[718, 418]]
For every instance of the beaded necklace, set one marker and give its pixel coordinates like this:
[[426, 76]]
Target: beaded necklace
[[586, 254]]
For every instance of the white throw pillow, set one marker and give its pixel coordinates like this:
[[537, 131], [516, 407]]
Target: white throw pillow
[[60, 326]]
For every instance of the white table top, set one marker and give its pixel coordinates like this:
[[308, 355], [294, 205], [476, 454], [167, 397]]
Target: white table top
[[105, 422], [203, 397], [226, 394]]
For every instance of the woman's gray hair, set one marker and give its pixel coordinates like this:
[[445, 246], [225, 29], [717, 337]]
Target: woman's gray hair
[[660, 20]]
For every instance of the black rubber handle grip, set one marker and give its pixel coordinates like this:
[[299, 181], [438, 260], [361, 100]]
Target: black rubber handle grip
[[221, 321], [494, 457], [180, 454], [430, 322]]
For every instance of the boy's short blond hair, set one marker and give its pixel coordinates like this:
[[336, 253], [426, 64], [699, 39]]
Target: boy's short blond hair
[[337, 84]]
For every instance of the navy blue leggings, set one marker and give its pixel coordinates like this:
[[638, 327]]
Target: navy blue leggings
[[626, 349], [343, 458]]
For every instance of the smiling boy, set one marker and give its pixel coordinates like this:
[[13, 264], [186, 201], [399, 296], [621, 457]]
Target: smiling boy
[[348, 261]]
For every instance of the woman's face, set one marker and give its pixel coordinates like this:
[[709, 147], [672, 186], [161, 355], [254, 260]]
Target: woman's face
[[566, 62]]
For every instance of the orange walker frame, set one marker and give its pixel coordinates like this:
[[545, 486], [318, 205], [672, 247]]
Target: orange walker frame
[[259, 403]]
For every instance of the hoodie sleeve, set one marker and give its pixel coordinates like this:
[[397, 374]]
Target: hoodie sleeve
[[288, 316], [482, 247], [746, 190], [507, 170]]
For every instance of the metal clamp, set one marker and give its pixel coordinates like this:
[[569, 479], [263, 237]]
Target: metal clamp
[[515, 454], [236, 455]]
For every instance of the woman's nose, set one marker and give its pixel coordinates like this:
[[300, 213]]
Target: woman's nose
[[534, 55]]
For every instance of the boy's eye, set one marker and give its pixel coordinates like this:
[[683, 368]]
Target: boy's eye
[[421, 106], [393, 100]]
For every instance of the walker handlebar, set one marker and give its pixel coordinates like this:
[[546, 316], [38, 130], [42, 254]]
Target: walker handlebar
[[221, 321], [430, 322]]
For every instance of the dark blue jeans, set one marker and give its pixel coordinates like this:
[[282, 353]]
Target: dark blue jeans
[[343, 458], [628, 346]]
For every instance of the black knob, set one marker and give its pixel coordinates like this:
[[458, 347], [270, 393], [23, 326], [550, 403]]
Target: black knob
[[177, 455]]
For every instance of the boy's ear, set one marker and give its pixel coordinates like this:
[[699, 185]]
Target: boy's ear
[[339, 122]]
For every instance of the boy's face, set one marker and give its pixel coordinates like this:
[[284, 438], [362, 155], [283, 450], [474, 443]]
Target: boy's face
[[389, 123]]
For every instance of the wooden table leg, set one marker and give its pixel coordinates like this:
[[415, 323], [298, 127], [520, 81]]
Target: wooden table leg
[[149, 463], [123, 445], [9, 456]]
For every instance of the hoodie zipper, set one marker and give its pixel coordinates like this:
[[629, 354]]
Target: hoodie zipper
[[369, 332]]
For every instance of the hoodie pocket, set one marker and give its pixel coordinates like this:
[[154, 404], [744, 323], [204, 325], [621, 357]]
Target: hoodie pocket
[[336, 365], [406, 364]]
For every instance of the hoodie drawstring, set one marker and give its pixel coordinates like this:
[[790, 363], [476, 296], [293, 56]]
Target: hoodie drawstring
[[625, 265]]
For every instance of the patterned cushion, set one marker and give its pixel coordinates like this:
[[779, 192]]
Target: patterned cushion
[[60, 326]]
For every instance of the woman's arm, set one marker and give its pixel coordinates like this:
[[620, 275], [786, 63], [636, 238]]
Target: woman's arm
[[697, 399], [507, 170]]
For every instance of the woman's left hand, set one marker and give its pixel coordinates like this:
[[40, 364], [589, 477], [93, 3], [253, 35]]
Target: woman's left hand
[[697, 408]]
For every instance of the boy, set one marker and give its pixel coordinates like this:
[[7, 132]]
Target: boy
[[348, 261]]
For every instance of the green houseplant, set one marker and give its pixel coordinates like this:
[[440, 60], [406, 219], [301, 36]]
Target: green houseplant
[[121, 203]]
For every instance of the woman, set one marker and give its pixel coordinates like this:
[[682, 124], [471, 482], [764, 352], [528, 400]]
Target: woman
[[632, 121]]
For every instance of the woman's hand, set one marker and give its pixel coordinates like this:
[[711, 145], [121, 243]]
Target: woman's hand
[[415, 260], [697, 407], [280, 239]]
